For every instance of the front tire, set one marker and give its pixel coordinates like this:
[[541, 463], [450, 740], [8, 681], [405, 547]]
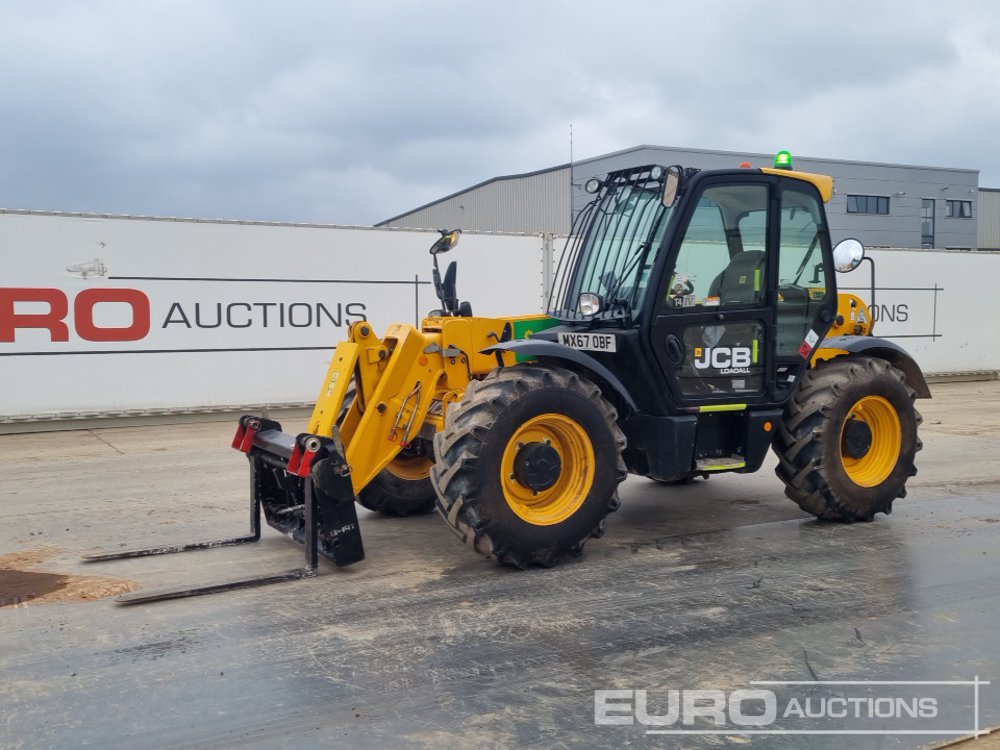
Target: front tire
[[529, 464], [849, 439]]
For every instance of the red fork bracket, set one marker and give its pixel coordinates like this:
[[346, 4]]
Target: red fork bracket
[[307, 449], [247, 430]]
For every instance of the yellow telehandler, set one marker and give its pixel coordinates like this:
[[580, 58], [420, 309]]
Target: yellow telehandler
[[693, 324]]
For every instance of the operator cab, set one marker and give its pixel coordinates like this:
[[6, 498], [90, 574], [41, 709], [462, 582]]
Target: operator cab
[[726, 275]]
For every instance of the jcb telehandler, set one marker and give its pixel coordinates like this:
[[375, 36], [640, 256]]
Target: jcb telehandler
[[694, 322]]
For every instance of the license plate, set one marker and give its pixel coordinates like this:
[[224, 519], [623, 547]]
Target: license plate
[[593, 342]]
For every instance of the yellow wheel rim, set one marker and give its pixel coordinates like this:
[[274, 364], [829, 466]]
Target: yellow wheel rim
[[412, 468], [576, 475], [875, 466]]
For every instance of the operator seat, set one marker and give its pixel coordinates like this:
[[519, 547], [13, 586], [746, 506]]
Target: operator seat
[[738, 281]]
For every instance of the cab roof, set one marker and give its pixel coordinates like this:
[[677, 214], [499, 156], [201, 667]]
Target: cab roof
[[823, 183]]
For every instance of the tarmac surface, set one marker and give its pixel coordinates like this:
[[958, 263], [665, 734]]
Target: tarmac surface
[[710, 585]]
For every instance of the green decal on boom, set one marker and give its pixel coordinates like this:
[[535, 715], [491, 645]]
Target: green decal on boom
[[523, 328]]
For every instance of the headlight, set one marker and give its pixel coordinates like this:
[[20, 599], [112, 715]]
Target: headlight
[[589, 304], [592, 185]]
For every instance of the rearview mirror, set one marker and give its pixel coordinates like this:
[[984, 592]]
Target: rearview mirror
[[847, 255], [671, 184], [447, 242]]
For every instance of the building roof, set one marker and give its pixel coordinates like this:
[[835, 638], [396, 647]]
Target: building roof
[[469, 189]]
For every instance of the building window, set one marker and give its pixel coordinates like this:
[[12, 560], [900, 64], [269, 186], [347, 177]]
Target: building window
[[867, 204], [927, 222], [959, 210]]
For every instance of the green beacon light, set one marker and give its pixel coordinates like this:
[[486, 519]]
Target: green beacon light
[[783, 160]]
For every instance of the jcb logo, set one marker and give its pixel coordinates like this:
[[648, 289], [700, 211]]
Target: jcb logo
[[722, 357], [56, 310]]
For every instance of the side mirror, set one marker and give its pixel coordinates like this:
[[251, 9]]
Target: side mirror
[[447, 242], [671, 184], [847, 255]]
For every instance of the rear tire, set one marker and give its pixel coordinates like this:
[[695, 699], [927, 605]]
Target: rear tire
[[529, 464], [849, 439], [404, 487]]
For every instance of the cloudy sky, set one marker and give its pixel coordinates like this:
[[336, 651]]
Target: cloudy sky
[[348, 112]]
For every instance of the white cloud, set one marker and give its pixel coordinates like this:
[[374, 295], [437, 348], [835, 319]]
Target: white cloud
[[352, 112]]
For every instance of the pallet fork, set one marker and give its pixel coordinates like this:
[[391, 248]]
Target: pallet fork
[[303, 484]]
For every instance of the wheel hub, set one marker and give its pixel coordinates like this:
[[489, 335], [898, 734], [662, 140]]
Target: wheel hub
[[871, 441], [547, 469], [537, 466], [857, 439]]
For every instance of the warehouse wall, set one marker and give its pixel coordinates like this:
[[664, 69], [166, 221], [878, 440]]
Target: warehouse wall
[[925, 300], [138, 316], [115, 316]]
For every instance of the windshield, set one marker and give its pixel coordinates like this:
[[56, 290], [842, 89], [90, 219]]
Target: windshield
[[613, 245]]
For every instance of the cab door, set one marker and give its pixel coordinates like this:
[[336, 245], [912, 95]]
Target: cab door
[[746, 295], [806, 301], [711, 332]]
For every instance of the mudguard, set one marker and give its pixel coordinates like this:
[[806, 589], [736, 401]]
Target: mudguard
[[538, 348], [884, 349]]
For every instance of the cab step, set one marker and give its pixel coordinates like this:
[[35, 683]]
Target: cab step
[[727, 463]]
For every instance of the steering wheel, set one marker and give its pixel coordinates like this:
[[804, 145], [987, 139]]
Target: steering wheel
[[793, 293]]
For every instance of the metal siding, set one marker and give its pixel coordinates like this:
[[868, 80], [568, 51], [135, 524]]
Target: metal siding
[[989, 219], [533, 204]]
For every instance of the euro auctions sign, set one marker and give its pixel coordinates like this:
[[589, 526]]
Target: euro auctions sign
[[46, 315], [801, 707], [99, 346]]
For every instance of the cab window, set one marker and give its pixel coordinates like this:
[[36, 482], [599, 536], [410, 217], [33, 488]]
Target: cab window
[[722, 257], [802, 274]]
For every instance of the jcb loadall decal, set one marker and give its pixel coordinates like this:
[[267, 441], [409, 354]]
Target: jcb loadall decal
[[727, 360], [722, 358]]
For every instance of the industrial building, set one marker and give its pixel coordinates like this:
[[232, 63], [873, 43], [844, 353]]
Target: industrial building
[[883, 205]]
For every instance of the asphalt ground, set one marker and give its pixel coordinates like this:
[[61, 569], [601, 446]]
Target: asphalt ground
[[711, 585]]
